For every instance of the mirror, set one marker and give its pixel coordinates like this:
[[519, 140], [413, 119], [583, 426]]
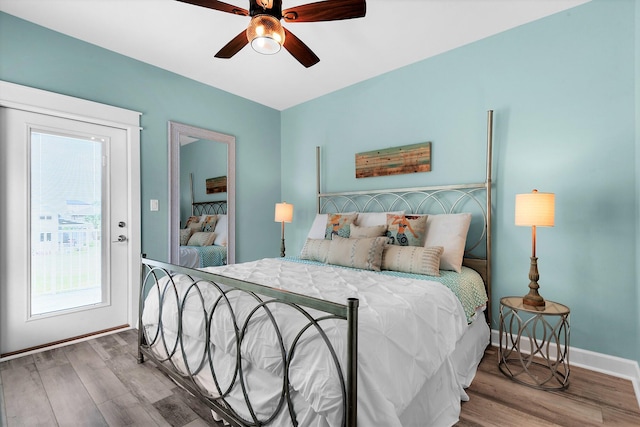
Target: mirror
[[215, 145]]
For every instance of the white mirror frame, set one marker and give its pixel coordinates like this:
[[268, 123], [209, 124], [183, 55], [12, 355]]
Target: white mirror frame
[[176, 130]]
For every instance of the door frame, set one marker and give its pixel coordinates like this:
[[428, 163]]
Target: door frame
[[54, 104]]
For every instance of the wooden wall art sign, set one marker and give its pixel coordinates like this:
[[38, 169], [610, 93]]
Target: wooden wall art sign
[[217, 185], [394, 161]]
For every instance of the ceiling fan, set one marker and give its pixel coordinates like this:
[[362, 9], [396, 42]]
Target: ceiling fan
[[267, 35]]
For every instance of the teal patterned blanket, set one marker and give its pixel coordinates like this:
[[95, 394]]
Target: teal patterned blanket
[[211, 256], [466, 285]]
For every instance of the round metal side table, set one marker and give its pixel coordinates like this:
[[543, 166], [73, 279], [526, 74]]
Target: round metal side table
[[534, 343]]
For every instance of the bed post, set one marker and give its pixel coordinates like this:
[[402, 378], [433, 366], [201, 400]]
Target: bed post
[[352, 363], [192, 197], [140, 308], [488, 190], [318, 179]]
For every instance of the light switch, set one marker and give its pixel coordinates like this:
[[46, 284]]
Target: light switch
[[154, 205]]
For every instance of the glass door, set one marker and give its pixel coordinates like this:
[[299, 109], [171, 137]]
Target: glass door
[[65, 201]]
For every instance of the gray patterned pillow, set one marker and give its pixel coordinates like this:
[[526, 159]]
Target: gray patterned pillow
[[365, 254], [412, 259], [185, 233]]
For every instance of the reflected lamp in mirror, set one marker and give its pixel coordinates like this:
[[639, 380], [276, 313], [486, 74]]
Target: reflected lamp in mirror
[[533, 210], [284, 213]]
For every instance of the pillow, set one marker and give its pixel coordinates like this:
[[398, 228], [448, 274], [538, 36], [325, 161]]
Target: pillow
[[318, 228], [185, 233], [449, 231], [316, 250], [357, 253], [412, 259], [372, 231], [339, 225], [202, 238], [407, 230], [193, 222], [209, 222], [221, 231], [367, 219]]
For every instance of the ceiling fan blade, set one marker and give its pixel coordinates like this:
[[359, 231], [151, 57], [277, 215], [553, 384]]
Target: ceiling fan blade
[[234, 46], [218, 5], [328, 10], [299, 50]]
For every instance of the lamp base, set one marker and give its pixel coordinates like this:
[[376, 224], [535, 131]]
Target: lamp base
[[533, 298], [533, 301]]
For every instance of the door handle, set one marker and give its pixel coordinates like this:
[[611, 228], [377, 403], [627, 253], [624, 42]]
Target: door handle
[[121, 238]]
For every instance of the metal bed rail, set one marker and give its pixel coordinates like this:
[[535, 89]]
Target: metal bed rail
[[162, 277]]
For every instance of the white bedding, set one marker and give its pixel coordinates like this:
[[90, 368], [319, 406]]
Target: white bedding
[[189, 257], [408, 330]]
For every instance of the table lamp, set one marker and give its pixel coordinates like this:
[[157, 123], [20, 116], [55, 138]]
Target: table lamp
[[534, 210], [284, 213]]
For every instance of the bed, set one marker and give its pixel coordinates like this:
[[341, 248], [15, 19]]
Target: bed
[[324, 338], [196, 251]]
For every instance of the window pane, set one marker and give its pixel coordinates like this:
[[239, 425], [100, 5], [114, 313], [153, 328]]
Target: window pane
[[66, 206]]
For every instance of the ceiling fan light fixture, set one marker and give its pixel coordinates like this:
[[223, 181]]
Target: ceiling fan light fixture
[[265, 33]]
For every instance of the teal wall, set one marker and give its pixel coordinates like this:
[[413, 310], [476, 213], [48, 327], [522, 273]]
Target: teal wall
[[566, 100], [34, 56], [564, 91], [637, 180]]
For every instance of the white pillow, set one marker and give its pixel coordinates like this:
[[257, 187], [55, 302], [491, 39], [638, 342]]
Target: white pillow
[[450, 232], [318, 227], [221, 231], [368, 219]]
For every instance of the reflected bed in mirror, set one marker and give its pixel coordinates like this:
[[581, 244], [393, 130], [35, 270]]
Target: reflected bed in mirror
[[198, 200]]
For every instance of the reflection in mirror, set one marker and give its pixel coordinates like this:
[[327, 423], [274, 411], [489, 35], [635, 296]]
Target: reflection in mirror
[[201, 196]]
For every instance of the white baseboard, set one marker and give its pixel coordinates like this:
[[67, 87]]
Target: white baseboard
[[599, 362]]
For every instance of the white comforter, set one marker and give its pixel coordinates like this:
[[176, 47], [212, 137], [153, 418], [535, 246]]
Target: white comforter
[[407, 330]]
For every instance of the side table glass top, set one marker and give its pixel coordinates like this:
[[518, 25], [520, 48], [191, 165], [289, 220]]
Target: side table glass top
[[550, 308]]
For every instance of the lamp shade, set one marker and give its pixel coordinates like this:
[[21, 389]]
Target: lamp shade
[[535, 209], [265, 33], [284, 212]]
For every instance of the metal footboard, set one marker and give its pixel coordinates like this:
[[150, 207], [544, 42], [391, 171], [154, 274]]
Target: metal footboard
[[162, 278]]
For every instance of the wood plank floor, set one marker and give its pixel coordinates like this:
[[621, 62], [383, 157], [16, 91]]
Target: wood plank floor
[[592, 399], [99, 383]]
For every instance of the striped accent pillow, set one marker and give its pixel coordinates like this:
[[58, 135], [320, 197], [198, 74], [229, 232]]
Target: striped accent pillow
[[202, 238], [412, 259], [365, 254], [315, 250]]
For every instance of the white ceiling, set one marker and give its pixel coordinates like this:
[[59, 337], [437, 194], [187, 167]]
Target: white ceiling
[[184, 38]]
